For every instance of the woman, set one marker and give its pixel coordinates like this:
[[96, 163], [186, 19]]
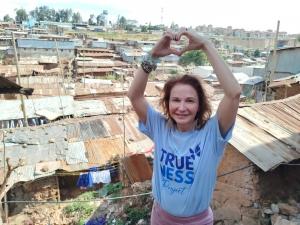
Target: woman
[[188, 142]]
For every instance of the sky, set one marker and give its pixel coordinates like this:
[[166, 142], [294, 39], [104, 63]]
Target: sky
[[250, 15]]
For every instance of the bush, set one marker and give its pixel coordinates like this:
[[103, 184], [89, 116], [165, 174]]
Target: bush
[[135, 214]]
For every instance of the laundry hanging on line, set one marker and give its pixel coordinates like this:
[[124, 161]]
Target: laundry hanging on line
[[89, 179]]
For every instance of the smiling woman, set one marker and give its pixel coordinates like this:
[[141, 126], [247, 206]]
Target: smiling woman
[[184, 96], [189, 143]]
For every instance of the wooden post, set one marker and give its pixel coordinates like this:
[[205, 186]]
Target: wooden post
[[4, 172], [274, 60], [19, 80], [61, 69]]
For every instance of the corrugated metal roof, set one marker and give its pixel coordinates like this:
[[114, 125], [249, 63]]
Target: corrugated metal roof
[[94, 50], [96, 54], [286, 81], [92, 129], [94, 70], [101, 150], [39, 43], [62, 105], [269, 133]]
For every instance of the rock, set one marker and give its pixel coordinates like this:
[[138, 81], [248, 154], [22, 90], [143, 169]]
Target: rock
[[251, 212], [280, 221], [268, 211], [51, 140], [274, 218], [141, 222], [275, 208], [256, 205], [287, 209], [248, 221], [227, 213]]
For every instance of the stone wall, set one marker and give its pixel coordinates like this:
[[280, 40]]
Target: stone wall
[[236, 194]]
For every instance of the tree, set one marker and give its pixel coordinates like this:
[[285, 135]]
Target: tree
[[7, 18], [91, 20], [298, 38], [195, 57], [21, 15], [65, 15], [144, 28], [76, 18], [43, 13], [256, 53], [122, 22]]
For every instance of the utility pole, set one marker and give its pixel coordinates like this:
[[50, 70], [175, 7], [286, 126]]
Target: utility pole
[[19, 80], [274, 60]]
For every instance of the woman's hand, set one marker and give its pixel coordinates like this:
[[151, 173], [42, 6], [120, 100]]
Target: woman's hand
[[163, 46], [196, 42]]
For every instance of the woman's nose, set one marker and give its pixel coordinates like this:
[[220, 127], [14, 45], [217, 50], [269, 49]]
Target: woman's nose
[[181, 106]]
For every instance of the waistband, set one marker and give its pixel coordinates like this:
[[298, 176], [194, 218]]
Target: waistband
[[205, 217]]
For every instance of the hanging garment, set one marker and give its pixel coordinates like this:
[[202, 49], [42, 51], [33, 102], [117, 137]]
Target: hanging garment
[[85, 180], [101, 177]]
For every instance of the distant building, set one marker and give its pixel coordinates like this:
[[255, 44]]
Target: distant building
[[44, 51]]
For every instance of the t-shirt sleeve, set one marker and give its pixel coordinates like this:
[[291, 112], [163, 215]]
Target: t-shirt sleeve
[[153, 123], [221, 140]]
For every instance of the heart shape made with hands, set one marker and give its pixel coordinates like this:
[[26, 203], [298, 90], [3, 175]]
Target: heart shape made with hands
[[164, 46]]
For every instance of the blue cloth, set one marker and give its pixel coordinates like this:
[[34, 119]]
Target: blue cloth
[[96, 221], [185, 163], [85, 180]]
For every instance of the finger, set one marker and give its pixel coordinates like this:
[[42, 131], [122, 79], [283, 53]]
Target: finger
[[169, 35]]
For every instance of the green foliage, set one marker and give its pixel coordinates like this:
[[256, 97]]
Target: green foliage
[[111, 76], [249, 100], [195, 57], [135, 214], [298, 38], [7, 18], [116, 222], [109, 189], [83, 209], [173, 72], [76, 18], [21, 15], [44, 13], [247, 53], [256, 53], [91, 20], [122, 22], [144, 28]]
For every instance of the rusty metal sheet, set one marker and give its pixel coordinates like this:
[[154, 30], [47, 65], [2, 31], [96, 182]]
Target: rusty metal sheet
[[137, 168], [101, 150], [269, 133]]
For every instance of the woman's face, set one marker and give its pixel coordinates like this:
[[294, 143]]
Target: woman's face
[[183, 106]]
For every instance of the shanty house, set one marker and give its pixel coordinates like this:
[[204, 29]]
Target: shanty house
[[286, 87], [38, 48], [257, 166], [286, 62]]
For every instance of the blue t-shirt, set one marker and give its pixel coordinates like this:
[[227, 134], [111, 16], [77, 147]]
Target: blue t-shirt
[[185, 163]]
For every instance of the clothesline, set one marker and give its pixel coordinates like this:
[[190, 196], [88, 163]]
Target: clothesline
[[79, 201]]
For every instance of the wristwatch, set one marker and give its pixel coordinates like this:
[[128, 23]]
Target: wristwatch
[[149, 63]]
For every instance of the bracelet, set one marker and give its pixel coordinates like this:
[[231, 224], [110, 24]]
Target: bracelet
[[149, 63]]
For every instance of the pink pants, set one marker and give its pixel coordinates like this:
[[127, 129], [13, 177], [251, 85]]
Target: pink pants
[[161, 217]]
